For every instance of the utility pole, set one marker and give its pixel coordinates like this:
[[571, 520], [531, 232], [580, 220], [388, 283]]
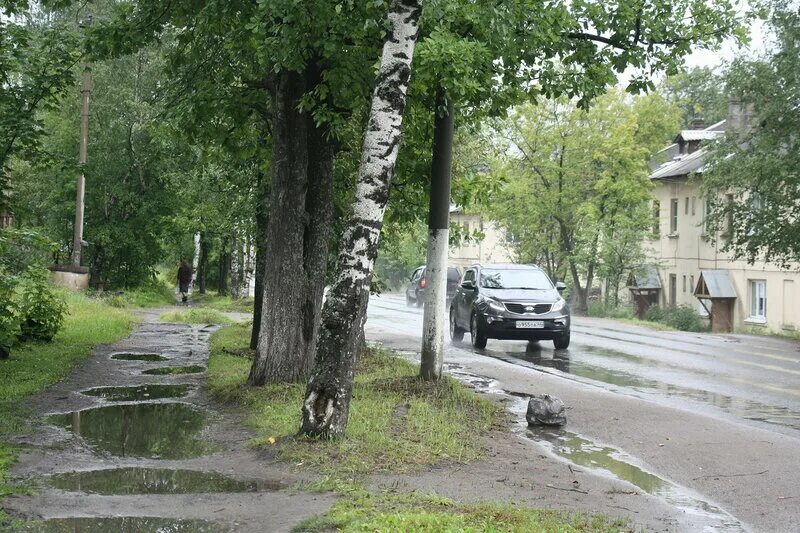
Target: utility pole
[[435, 313], [77, 241]]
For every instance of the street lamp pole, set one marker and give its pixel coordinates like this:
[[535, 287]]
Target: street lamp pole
[[77, 241]]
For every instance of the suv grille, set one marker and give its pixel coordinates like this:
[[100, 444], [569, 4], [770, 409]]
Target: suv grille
[[521, 309]]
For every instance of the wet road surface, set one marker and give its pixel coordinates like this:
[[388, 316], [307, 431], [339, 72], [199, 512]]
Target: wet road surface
[[710, 423], [754, 379]]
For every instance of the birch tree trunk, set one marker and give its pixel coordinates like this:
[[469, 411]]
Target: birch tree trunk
[[327, 398]]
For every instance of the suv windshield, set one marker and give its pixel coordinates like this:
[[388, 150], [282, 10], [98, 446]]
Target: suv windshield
[[515, 279]]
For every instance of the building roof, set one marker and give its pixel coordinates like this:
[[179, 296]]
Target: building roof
[[681, 165], [670, 163], [715, 284], [645, 277]]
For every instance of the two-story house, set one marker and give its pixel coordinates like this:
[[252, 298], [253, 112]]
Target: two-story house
[[689, 265], [493, 248]]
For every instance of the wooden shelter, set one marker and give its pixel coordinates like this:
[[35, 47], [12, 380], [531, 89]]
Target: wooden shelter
[[645, 287], [717, 287]]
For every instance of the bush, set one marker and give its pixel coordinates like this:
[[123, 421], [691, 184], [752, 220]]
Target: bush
[[42, 310], [683, 317], [601, 310], [9, 314]]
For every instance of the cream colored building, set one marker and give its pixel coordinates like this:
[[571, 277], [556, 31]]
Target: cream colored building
[[493, 248], [689, 262]]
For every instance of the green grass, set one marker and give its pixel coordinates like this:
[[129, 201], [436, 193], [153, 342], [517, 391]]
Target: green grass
[[360, 511], [32, 367], [198, 315], [397, 421], [222, 303]]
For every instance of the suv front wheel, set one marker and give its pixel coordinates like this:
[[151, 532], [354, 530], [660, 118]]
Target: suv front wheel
[[478, 337], [562, 341]]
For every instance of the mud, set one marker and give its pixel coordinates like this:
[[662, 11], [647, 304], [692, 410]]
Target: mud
[[118, 450]]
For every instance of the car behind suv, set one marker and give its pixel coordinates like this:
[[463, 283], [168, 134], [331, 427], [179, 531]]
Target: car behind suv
[[418, 283], [509, 302]]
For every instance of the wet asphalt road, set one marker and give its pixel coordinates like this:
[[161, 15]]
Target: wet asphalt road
[[754, 379], [717, 417]]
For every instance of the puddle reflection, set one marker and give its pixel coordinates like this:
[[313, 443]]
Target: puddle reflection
[[153, 430], [120, 481], [151, 357], [138, 393], [124, 525], [171, 370]]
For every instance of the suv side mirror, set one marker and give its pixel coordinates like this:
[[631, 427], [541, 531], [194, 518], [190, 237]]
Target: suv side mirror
[[560, 286], [470, 285]]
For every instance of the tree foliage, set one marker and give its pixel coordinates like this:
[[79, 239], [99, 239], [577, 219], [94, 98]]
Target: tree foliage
[[754, 178], [577, 194]]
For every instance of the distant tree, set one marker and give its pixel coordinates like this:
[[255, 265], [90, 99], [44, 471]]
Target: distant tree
[[754, 179], [699, 92], [38, 53], [577, 197]]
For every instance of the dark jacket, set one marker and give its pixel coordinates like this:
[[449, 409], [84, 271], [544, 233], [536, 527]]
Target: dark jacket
[[184, 276]]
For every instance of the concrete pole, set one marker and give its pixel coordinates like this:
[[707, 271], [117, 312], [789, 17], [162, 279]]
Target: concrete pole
[[435, 314], [77, 240]]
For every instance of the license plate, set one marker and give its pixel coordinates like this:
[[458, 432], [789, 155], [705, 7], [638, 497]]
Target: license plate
[[530, 324]]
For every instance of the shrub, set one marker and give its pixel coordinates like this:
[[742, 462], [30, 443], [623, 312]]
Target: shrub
[[42, 310], [9, 313], [683, 317], [601, 310]]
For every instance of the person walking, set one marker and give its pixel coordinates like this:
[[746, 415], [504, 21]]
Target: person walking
[[184, 280]]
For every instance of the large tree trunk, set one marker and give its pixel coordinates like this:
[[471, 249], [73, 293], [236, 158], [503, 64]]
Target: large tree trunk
[[327, 399], [224, 268], [319, 210], [281, 336]]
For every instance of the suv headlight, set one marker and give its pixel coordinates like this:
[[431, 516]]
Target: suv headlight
[[559, 305], [495, 306]]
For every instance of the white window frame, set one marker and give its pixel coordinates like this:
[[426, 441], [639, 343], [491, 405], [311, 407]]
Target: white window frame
[[757, 300]]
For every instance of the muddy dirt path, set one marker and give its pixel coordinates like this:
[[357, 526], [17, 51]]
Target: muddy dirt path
[[131, 441]]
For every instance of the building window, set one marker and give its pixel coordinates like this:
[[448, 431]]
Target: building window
[[691, 284], [673, 216], [707, 217], [673, 289], [758, 300], [693, 211], [656, 218], [686, 206], [684, 283]]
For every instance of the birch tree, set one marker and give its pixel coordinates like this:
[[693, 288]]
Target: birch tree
[[327, 398]]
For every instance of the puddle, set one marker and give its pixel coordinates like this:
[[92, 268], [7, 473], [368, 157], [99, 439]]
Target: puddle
[[138, 393], [170, 370], [152, 357], [124, 525], [153, 430], [583, 452], [588, 454], [134, 480]]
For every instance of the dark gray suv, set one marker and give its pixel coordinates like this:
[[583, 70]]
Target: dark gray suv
[[504, 301]]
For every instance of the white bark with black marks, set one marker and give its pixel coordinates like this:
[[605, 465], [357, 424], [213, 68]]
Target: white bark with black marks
[[327, 399]]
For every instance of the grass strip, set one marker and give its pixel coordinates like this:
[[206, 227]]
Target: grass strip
[[398, 423], [391, 511], [199, 315], [34, 366]]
